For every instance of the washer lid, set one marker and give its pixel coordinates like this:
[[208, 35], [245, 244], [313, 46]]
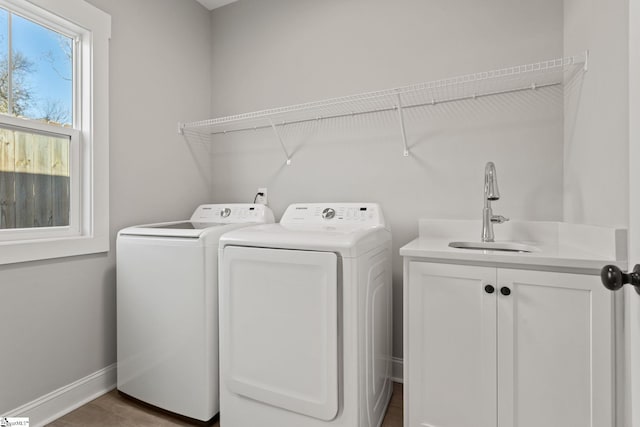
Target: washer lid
[[186, 225], [204, 219], [187, 229]]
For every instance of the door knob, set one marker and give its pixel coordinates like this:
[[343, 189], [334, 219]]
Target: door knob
[[613, 278]]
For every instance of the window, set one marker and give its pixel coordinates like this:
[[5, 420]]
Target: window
[[53, 129]]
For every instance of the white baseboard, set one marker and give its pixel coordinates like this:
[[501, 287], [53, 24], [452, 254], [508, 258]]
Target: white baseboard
[[59, 402], [396, 369]]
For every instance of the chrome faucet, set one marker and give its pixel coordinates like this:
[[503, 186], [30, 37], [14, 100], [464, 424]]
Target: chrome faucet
[[491, 193]]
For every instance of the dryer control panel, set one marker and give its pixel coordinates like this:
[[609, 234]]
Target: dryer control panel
[[232, 213], [362, 214]]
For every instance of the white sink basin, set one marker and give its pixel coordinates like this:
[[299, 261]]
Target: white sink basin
[[495, 246]]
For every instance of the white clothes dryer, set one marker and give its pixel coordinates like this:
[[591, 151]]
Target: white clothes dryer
[[167, 308], [305, 319]]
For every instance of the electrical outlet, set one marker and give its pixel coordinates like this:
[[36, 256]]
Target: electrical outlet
[[262, 196]]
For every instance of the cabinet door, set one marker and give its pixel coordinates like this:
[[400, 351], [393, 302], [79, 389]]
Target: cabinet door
[[555, 350], [450, 365]]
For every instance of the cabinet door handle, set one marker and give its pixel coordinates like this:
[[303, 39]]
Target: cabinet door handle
[[505, 291], [489, 289]]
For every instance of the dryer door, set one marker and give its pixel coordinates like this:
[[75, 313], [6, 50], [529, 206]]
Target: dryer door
[[279, 328]]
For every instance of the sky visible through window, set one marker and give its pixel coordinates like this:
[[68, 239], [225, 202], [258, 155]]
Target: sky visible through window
[[41, 71]]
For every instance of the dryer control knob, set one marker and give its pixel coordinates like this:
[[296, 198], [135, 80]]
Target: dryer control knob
[[328, 213], [225, 212]]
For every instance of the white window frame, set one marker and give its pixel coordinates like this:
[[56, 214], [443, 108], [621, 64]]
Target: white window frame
[[88, 231]]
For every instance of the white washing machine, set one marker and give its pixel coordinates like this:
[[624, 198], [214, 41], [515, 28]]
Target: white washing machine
[[305, 319], [167, 308]]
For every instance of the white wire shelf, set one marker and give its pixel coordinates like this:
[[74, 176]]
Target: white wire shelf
[[470, 86]]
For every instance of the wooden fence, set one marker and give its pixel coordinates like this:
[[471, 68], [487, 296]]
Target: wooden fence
[[34, 180]]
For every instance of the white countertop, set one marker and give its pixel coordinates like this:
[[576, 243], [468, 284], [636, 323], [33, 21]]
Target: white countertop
[[579, 248]]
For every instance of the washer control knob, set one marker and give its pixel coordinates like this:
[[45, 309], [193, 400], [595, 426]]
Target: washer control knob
[[225, 212], [328, 213]]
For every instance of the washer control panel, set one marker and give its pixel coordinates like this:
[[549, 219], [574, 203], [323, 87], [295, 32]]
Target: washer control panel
[[232, 213], [334, 214]]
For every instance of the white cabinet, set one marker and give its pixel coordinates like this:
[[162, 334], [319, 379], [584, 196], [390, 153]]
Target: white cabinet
[[498, 347]]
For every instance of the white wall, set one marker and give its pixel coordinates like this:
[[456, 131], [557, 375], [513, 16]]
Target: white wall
[[596, 114], [58, 317], [269, 53]]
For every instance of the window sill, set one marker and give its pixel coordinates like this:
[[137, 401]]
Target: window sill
[[33, 250]]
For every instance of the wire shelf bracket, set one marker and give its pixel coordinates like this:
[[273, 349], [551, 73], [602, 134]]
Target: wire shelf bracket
[[403, 132], [284, 149], [586, 61], [423, 95]]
